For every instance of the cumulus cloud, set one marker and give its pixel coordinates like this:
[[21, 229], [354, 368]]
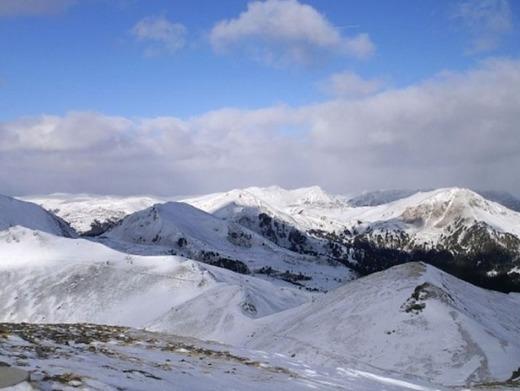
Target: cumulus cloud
[[454, 129], [486, 20], [285, 31], [33, 7], [160, 35], [350, 84]]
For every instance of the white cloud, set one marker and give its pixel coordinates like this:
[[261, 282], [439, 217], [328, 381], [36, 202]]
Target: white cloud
[[76, 131], [360, 46], [285, 31], [350, 84], [160, 35], [486, 20], [33, 7], [454, 129]]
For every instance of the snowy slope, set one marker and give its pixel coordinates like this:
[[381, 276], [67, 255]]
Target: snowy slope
[[82, 210], [389, 324], [14, 212], [411, 319], [94, 357], [45, 278], [179, 228]]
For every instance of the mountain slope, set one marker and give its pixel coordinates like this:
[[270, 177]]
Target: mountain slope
[[14, 212], [45, 278], [179, 228], [411, 319], [110, 358]]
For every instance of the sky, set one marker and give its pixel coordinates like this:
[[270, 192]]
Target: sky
[[184, 97]]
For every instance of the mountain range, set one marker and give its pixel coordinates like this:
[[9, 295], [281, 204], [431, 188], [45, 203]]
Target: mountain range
[[367, 296]]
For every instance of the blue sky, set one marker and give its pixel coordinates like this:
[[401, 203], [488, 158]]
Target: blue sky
[[177, 97], [85, 57]]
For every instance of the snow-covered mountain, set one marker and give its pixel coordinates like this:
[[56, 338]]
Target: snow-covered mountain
[[413, 319], [46, 278], [92, 214], [14, 213], [410, 322], [431, 217], [179, 228], [455, 229], [273, 196], [379, 197]]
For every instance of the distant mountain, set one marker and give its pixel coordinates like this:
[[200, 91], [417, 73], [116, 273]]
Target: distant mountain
[[379, 197], [272, 212], [503, 198], [91, 215], [16, 213], [455, 229]]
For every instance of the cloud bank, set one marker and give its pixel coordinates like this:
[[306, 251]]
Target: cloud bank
[[453, 129]]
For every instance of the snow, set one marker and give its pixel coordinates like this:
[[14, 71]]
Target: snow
[[407, 327], [424, 215], [52, 279], [112, 358], [14, 212], [463, 334], [80, 210], [157, 230]]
